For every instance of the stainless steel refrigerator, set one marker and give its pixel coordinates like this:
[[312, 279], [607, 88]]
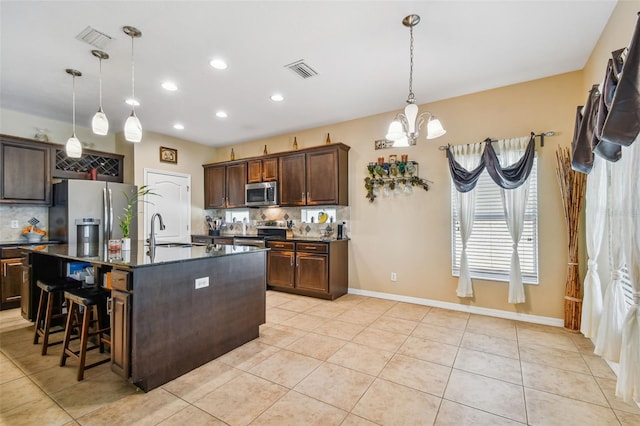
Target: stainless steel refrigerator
[[83, 199]]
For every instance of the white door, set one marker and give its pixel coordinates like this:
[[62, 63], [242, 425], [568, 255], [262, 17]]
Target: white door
[[173, 204]]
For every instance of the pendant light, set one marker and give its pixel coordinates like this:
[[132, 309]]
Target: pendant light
[[132, 127], [403, 131], [100, 123], [74, 147]]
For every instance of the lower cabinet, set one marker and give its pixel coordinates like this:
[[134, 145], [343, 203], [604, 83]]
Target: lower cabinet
[[120, 323], [10, 283], [316, 269]]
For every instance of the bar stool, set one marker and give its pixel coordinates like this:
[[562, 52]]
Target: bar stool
[[53, 288], [88, 298]]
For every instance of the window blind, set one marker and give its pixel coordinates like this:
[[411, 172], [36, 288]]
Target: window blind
[[490, 246]]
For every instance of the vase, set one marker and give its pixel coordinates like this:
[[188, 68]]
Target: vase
[[126, 244]]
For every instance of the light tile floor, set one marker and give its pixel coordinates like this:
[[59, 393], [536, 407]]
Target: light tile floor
[[354, 361]]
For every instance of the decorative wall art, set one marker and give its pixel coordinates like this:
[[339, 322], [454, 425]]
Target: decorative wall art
[[168, 155]]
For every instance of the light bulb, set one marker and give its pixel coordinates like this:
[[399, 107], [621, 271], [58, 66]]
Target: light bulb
[[133, 128], [100, 123], [74, 147], [434, 128], [395, 131]]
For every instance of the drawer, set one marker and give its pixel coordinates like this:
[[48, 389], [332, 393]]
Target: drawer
[[201, 240], [225, 241], [312, 247], [281, 245], [120, 280]]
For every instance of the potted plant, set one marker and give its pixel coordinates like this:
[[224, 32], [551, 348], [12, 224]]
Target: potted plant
[[126, 218]]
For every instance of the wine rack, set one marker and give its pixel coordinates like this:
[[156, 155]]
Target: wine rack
[[109, 167]]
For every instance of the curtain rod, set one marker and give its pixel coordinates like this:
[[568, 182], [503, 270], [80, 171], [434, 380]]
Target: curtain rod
[[539, 135]]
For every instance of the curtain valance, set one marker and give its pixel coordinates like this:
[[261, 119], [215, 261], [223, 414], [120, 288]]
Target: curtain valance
[[509, 177]]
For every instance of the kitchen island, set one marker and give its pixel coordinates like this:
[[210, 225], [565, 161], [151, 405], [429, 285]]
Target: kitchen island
[[173, 308]]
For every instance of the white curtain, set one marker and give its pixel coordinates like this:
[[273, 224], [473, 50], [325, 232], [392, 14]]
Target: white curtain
[[609, 336], [596, 218], [468, 156], [628, 386], [514, 203]]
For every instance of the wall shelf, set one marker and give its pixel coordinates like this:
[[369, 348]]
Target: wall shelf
[[386, 178]]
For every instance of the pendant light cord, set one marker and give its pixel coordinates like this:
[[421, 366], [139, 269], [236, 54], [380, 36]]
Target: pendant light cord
[[101, 85], [133, 80], [411, 97], [73, 107]]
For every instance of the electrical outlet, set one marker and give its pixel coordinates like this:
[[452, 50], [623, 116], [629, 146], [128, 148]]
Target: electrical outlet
[[14, 224], [202, 282], [394, 277]]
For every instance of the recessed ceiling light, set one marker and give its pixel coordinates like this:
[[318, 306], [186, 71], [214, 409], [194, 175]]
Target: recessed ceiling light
[[170, 86], [218, 64], [277, 97], [132, 102], [221, 114], [178, 126]]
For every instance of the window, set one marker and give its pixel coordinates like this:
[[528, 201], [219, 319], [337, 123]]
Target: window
[[489, 247], [318, 215], [231, 216]]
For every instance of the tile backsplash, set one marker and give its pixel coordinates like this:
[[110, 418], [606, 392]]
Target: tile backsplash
[[22, 214], [300, 229]]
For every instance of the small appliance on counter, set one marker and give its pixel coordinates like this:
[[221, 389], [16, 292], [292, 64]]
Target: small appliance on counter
[[88, 237]]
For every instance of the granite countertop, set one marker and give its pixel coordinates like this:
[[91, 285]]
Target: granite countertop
[[140, 255]]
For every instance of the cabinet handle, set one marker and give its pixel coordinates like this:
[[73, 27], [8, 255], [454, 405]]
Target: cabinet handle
[[291, 258], [302, 197], [222, 200], [310, 248], [278, 245], [308, 197], [297, 261]]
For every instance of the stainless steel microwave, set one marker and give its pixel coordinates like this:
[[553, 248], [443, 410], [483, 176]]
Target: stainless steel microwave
[[261, 194]]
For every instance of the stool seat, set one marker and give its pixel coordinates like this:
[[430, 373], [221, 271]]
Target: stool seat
[[57, 284], [87, 296]]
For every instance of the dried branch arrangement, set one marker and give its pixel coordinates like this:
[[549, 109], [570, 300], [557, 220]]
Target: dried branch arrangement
[[572, 189]]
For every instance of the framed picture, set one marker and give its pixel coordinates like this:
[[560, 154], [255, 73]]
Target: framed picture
[[393, 158], [168, 155]]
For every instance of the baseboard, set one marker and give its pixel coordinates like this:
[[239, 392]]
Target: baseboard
[[536, 319]]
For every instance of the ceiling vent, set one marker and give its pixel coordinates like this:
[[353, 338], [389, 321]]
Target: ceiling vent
[[94, 38], [302, 69]]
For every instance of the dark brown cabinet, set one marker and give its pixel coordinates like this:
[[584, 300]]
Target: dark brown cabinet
[[120, 323], [224, 185], [264, 170], [292, 180], [316, 269], [26, 171], [25, 287], [317, 177], [10, 283]]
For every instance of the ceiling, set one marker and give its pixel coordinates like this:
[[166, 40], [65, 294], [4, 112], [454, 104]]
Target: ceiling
[[360, 50]]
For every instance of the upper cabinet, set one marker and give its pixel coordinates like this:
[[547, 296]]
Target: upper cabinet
[[317, 177], [26, 171], [224, 185], [309, 177], [262, 170]]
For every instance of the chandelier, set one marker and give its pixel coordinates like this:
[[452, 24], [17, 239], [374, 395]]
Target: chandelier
[[403, 131]]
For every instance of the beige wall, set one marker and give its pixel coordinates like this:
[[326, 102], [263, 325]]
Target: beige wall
[[191, 156], [410, 235], [616, 35], [26, 125]]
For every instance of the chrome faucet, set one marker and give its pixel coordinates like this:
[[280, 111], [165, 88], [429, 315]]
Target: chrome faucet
[[152, 234]]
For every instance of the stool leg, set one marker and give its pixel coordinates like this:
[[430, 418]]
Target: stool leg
[[102, 323], [38, 317], [47, 323], [72, 308], [86, 319]]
